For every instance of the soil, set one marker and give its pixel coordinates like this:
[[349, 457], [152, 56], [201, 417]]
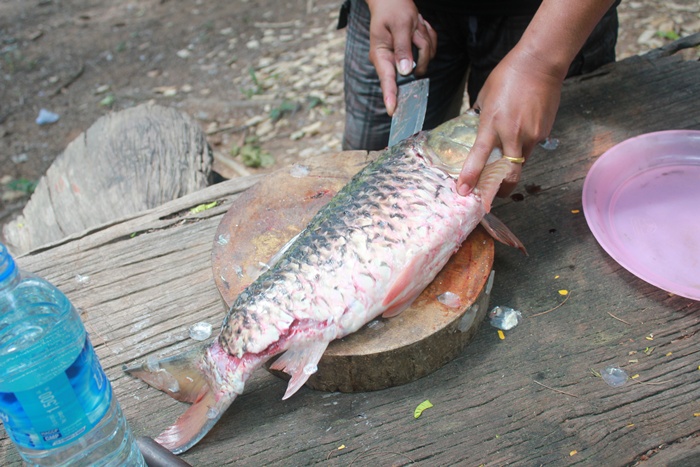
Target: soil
[[262, 77]]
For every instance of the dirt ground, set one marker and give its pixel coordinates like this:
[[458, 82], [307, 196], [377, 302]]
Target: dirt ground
[[263, 78]]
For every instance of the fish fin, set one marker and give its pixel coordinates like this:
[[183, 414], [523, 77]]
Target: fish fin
[[178, 376], [196, 422], [500, 232], [276, 257], [401, 295], [400, 306], [490, 181], [295, 360]]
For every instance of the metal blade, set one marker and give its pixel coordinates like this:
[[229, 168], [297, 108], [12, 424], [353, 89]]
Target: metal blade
[[410, 110]]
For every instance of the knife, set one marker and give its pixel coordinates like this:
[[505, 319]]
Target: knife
[[410, 110]]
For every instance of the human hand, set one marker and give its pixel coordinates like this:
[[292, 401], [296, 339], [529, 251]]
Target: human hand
[[517, 106], [395, 26]]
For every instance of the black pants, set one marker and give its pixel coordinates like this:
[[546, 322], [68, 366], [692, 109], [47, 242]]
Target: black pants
[[468, 49]]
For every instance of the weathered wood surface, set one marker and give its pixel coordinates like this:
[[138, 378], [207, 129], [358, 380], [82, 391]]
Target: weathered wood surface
[[125, 163], [140, 293], [387, 352]]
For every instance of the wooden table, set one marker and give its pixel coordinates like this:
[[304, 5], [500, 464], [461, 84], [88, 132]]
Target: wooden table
[[530, 399]]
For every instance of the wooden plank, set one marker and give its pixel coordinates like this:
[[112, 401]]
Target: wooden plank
[[144, 291]]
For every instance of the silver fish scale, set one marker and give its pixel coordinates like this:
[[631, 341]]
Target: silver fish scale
[[327, 279]]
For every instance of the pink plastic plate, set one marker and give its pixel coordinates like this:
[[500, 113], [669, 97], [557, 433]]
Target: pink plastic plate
[[641, 200]]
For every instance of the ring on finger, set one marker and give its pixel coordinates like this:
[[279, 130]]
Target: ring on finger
[[514, 160]]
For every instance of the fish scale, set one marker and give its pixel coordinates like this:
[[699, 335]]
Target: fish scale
[[400, 166], [369, 252]]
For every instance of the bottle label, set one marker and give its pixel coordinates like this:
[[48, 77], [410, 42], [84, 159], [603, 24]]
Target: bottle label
[[60, 410]]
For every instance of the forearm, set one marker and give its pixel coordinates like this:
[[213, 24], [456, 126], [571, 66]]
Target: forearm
[[558, 31]]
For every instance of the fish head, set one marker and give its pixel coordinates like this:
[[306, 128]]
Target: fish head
[[448, 145]]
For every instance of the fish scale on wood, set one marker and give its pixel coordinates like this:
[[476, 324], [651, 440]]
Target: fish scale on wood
[[369, 252]]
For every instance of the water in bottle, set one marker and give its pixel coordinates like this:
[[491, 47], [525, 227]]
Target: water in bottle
[[56, 403]]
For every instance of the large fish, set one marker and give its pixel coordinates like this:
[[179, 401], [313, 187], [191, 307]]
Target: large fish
[[371, 251]]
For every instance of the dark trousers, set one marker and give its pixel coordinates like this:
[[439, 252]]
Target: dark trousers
[[468, 49]]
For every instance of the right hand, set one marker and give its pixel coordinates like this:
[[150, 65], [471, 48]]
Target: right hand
[[395, 26]]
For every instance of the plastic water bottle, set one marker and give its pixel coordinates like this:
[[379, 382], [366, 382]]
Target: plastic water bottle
[[56, 402]]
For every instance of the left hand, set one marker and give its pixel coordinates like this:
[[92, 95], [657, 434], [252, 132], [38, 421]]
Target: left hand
[[517, 107]]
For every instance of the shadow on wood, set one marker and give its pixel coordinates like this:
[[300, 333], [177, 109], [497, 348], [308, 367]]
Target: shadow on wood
[[126, 162]]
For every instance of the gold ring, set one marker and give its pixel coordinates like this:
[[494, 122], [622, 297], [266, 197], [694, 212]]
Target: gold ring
[[515, 160]]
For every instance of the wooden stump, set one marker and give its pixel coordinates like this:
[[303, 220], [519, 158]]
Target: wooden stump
[[126, 162], [385, 352]]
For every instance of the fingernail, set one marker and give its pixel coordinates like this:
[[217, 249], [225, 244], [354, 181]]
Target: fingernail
[[464, 189], [405, 67]]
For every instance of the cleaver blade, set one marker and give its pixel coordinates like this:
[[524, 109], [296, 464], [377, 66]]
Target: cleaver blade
[[410, 110]]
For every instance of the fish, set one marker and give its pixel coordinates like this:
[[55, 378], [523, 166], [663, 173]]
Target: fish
[[370, 251]]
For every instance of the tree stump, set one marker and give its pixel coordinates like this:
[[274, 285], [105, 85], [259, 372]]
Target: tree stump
[[126, 162]]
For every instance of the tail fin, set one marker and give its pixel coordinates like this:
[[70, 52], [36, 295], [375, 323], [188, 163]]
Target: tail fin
[[182, 377]]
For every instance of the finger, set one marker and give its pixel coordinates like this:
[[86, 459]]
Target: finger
[[423, 57], [425, 39], [431, 36], [478, 155], [405, 61], [514, 151], [386, 72]]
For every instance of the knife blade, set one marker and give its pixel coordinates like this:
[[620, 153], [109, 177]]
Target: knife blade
[[410, 110]]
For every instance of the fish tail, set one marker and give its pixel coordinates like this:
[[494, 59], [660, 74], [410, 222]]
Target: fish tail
[[186, 377]]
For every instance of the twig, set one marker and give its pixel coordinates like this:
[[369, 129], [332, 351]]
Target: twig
[[232, 164], [669, 49], [71, 79], [232, 128], [619, 319], [552, 309], [652, 383], [332, 451], [555, 390]]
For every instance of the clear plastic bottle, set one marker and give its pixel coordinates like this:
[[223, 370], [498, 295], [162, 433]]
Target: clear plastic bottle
[[56, 402]]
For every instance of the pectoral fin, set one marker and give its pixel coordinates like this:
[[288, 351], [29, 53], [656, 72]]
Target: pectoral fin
[[500, 232], [489, 182], [404, 290]]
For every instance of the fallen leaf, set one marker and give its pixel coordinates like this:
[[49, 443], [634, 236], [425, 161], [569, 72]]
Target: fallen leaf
[[203, 207], [421, 407]]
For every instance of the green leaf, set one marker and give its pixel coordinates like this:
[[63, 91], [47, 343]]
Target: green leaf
[[421, 407]]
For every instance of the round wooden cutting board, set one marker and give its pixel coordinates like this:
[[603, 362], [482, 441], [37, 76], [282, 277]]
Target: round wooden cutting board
[[385, 352]]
